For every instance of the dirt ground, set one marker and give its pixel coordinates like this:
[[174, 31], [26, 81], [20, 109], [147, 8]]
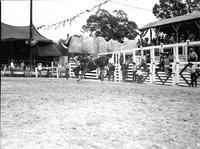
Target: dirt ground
[[48, 113]]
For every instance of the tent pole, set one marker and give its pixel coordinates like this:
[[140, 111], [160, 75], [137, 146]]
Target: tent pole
[[30, 31]]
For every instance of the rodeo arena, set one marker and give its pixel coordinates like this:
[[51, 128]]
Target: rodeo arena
[[89, 93]]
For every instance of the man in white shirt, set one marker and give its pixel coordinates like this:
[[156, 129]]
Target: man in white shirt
[[12, 68]]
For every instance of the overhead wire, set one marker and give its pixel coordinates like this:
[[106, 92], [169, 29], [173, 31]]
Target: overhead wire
[[131, 6]]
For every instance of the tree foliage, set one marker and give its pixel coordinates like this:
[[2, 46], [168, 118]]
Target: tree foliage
[[116, 26], [173, 8]]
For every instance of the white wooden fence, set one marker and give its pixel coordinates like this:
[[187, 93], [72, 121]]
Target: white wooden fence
[[179, 75]]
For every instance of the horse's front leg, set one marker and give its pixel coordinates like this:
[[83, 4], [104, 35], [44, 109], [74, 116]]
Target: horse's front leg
[[82, 74], [101, 75]]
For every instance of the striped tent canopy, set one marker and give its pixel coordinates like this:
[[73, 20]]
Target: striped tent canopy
[[14, 39], [9, 32]]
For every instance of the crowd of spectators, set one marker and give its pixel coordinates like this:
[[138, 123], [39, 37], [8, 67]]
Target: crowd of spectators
[[167, 39]]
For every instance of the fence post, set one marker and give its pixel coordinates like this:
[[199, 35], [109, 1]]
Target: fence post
[[174, 73], [151, 72], [36, 74], [176, 66], [153, 76], [57, 72], [52, 68], [186, 53]]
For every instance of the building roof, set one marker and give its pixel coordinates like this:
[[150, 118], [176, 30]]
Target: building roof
[[193, 16]]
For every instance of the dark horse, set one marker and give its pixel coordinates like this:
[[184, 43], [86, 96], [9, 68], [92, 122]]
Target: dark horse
[[89, 65]]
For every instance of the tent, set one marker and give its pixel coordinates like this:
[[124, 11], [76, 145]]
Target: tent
[[14, 43]]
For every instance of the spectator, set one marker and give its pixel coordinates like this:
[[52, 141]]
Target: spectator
[[12, 68], [167, 39], [66, 70], [171, 57], [166, 63], [111, 70], [143, 65], [154, 41], [142, 42], [146, 42], [138, 43], [3, 69], [162, 39], [181, 39], [193, 75], [28, 70], [147, 58], [190, 36], [59, 70], [124, 68], [161, 62], [134, 69], [172, 38], [192, 56], [39, 65], [22, 66]]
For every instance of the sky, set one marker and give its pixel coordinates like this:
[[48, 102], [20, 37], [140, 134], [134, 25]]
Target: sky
[[46, 12]]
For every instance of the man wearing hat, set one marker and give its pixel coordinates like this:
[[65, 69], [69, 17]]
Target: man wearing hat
[[192, 56]]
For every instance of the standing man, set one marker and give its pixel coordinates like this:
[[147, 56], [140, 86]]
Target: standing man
[[193, 75], [59, 69], [39, 69], [124, 68], [67, 70], [192, 56], [111, 69], [12, 68], [134, 68], [166, 63]]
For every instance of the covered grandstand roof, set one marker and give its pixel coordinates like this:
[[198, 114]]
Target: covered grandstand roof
[[193, 16]]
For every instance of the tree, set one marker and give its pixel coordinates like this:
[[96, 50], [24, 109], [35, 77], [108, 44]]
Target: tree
[[116, 26], [173, 8]]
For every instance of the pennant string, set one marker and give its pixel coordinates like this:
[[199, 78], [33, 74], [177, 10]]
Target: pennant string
[[64, 22]]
